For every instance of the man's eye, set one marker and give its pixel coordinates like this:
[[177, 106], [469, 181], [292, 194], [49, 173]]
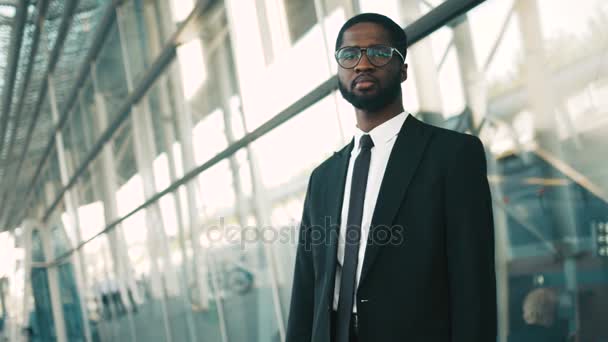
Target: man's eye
[[384, 54]]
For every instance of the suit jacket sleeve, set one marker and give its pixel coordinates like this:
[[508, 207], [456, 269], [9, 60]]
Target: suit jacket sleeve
[[470, 246], [299, 325]]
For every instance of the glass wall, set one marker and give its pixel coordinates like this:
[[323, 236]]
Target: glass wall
[[187, 163]]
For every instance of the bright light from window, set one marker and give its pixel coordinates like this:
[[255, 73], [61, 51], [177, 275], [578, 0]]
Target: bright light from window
[[192, 67], [6, 254], [70, 229], [130, 195], [208, 137], [161, 166], [181, 9], [7, 11], [91, 219]]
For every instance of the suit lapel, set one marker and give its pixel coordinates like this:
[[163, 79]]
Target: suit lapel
[[402, 164], [336, 178]]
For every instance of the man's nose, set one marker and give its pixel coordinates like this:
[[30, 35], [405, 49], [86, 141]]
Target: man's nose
[[364, 64]]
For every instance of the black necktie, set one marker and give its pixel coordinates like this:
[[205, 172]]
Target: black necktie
[[352, 238]]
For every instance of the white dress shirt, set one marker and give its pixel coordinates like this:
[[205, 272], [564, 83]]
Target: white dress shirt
[[384, 137]]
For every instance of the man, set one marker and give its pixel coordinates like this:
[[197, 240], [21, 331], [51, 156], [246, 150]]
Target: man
[[540, 315], [396, 241]]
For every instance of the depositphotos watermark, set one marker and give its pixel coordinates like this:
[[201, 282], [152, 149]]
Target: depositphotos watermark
[[293, 233]]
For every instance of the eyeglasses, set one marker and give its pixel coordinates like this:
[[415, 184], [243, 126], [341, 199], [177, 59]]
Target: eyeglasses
[[349, 57]]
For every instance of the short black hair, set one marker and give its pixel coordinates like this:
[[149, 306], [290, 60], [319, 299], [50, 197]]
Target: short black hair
[[397, 35]]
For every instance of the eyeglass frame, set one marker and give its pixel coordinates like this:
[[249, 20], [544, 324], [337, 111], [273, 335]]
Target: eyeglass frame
[[361, 49]]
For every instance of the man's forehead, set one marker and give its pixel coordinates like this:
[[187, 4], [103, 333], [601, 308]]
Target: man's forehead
[[364, 33]]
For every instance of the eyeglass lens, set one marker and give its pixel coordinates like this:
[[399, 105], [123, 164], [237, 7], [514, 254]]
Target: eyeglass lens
[[349, 57]]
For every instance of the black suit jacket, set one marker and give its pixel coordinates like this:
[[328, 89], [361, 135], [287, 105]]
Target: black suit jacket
[[428, 272]]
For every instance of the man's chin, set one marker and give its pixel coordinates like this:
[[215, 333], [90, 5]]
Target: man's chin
[[367, 104], [369, 100], [365, 99], [366, 94]]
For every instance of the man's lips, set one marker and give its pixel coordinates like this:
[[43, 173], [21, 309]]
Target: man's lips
[[364, 82], [364, 85]]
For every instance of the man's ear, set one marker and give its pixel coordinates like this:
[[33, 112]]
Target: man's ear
[[404, 72]]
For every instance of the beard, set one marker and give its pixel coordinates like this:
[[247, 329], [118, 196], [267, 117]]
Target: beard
[[384, 96]]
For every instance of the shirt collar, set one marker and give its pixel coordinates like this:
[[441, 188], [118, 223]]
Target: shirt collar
[[382, 133]]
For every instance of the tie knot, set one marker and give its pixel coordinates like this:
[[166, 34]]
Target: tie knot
[[366, 141]]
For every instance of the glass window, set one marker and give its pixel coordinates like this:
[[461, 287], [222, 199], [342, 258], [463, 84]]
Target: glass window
[[288, 151], [130, 187], [77, 41], [91, 209], [109, 78], [134, 38], [546, 177], [301, 17]]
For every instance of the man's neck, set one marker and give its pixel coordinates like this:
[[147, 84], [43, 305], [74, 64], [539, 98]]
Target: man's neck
[[366, 120]]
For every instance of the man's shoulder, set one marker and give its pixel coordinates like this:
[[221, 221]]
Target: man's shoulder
[[448, 140], [330, 162], [450, 149]]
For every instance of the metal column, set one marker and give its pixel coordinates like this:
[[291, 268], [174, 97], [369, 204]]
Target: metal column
[[184, 137], [157, 36], [52, 273], [473, 83], [70, 204], [260, 202], [108, 184], [543, 106], [328, 47], [427, 76], [27, 227], [352, 8], [184, 132], [262, 215], [203, 272], [145, 151]]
